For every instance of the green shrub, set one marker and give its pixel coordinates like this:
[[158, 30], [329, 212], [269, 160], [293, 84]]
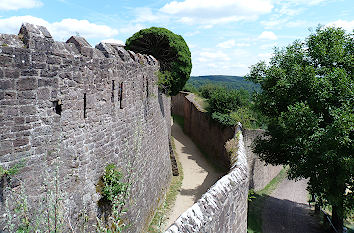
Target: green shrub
[[225, 101], [113, 186], [170, 50], [245, 116], [224, 119], [207, 89]]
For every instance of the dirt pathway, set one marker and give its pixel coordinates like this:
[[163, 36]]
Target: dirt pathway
[[287, 210], [198, 174]]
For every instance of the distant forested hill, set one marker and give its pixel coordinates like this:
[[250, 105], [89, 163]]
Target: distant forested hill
[[233, 82]]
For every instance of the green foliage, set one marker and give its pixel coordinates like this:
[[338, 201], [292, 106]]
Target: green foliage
[[190, 88], [226, 101], [251, 195], [116, 192], [170, 50], [207, 89], [11, 171], [47, 213], [229, 106], [113, 186], [307, 97], [231, 82]]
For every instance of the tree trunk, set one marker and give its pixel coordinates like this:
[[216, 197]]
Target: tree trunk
[[337, 217]]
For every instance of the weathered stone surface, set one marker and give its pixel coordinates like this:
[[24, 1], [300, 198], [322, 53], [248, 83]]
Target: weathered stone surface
[[198, 124], [131, 127], [223, 208], [260, 173]]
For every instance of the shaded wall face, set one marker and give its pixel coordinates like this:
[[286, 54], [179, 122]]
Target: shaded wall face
[[206, 133], [260, 174], [89, 110]]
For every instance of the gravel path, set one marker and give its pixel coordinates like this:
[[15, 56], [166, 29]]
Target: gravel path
[[199, 176], [287, 210]]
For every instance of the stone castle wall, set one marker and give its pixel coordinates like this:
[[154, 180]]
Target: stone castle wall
[[205, 132], [211, 137], [223, 208], [260, 174], [90, 107]]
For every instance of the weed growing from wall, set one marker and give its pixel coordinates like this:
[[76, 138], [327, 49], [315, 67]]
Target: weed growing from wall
[[116, 192], [46, 213]]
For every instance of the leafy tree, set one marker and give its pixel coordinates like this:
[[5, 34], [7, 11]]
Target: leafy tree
[[170, 50], [307, 97], [226, 101]]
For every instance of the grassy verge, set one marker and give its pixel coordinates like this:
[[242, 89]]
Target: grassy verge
[[176, 183], [256, 201]]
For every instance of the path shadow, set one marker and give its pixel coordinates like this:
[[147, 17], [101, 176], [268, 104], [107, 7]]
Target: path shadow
[[281, 215]]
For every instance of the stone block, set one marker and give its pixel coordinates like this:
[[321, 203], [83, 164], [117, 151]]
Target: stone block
[[29, 72], [12, 73], [5, 60], [7, 84], [43, 94], [28, 110], [20, 142], [27, 84]]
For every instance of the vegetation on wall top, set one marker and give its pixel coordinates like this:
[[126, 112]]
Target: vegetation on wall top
[[170, 50]]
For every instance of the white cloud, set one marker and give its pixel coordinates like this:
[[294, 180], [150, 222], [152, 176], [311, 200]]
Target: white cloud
[[130, 29], [267, 35], [145, 14], [243, 45], [347, 25], [265, 56], [213, 12], [218, 55], [226, 44], [113, 41], [306, 2], [60, 30], [19, 4]]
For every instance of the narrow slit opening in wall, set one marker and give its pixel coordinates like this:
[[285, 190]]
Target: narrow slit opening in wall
[[57, 106], [112, 97], [84, 105], [147, 88], [121, 95]]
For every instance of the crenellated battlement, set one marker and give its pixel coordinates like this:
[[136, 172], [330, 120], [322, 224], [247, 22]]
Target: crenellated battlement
[[38, 38]]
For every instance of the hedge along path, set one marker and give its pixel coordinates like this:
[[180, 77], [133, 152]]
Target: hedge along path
[[170, 50], [199, 175]]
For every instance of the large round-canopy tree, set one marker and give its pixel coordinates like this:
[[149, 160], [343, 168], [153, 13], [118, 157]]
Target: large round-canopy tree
[[308, 99], [170, 50]]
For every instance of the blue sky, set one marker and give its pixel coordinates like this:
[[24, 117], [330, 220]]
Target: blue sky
[[225, 36]]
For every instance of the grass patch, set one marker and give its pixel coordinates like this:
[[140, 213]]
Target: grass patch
[[256, 201], [179, 120], [202, 103], [158, 221]]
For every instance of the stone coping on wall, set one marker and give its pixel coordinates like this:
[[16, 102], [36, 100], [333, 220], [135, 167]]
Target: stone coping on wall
[[223, 208]]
